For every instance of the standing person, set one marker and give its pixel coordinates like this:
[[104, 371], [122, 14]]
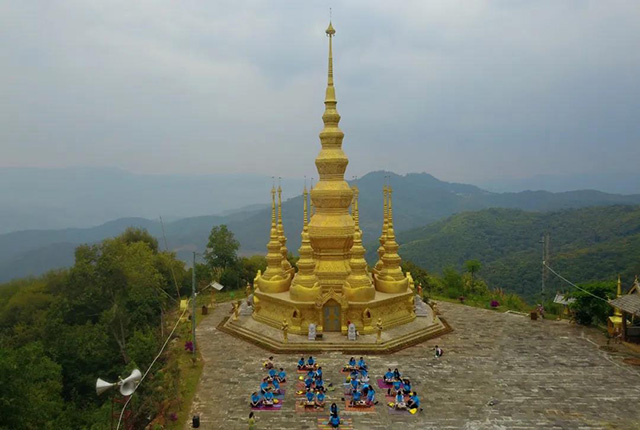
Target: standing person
[[439, 352], [252, 421]]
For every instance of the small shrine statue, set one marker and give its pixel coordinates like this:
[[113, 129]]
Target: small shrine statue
[[285, 329], [379, 327], [247, 290], [312, 332], [434, 308], [352, 333], [420, 290], [236, 310]]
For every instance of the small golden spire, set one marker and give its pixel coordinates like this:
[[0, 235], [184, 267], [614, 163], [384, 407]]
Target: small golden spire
[[274, 253], [305, 196], [281, 237], [617, 311], [273, 209]]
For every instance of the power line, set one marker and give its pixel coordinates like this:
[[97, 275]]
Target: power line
[[152, 363], [572, 284]]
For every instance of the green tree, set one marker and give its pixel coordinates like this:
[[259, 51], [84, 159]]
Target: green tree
[[472, 267], [222, 248], [591, 307]]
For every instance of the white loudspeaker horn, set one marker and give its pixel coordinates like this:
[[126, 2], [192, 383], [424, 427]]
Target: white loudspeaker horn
[[129, 384], [102, 386]]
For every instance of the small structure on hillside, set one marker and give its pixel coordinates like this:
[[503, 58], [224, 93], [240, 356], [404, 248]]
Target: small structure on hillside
[[565, 301], [627, 305]]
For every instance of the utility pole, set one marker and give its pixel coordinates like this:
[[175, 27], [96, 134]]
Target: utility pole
[[193, 299], [543, 241]]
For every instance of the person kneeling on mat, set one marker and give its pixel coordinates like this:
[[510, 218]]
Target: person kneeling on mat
[[310, 398], [320, 399], [268, 398], [414, 401], [400, 404], [256, 400]]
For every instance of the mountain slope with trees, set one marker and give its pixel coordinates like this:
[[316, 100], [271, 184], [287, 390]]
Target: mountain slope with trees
[[587, 244]]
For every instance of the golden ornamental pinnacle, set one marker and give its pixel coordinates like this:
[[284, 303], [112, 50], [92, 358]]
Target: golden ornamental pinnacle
[[330, 30]]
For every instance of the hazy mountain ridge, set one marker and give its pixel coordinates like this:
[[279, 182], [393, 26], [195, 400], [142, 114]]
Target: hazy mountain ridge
[[418, 199]]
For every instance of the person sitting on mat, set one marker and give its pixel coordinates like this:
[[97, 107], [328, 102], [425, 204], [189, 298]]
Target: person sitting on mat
[[364, 385], [400, 404], [308, 382], [271, 375], [282, 376], [269, 363], [309, 398], [406, 387], [334, 421], [356, 399], [320, 399], [301, 363], [276, 386], [388, 377], [351, 365], [362, 364], [354, 384], [396, 374], [320, 385], [414, 401], [396, 387], [318, 373], [371, 396], [264, 387], [256, 400], [311, 363], [364, 376], [268, 399]]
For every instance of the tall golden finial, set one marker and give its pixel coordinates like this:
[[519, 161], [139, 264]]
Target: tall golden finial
[[617, 311], [305, 279], [391, 260], [385, 224], [281, 237], [359, 278], [305, 196], [312, 208], [356, 213], [273, 210], [274, 252]]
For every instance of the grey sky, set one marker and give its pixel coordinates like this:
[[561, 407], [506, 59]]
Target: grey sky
[[465, 90]]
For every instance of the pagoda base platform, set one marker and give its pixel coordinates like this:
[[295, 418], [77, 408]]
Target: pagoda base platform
[[394, 339]]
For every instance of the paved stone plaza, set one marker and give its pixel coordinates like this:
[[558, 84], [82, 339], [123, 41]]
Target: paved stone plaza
[[536, 374]]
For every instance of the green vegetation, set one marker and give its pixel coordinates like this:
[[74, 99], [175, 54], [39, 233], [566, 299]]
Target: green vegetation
[[587, 245], [589, 309]]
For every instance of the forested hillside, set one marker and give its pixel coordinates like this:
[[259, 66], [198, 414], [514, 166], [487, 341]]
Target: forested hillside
[[100, 318], [418, 199], [587, 244]]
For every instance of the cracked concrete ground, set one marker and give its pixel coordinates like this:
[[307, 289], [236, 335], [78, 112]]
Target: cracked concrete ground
[[499, 371]]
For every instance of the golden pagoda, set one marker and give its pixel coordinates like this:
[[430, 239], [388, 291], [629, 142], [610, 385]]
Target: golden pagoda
[[333, 285]]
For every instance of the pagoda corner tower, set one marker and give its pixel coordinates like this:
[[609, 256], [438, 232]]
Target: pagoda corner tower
[[333, 285]]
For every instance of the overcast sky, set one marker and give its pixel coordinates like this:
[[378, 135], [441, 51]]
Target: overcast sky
[[465, 90]]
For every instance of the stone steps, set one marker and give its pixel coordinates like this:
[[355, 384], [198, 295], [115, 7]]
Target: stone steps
[[386, 347]]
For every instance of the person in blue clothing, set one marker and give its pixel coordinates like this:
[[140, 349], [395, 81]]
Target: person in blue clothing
[[364, 375], [354, 384], [414, 401], [311, 363], [308, 382], [264, 387], [271, 375], [396, 374], [334, 421], [397, 386], [406, 386], [282, 376], [362, 364], [276, 386], [301, 363], [352, 362], [268, 398], [318, 373], [319, 385], [371, 397], [356, 399], [310, 398], [388, 377], [320, 399], [333, 410], [400, 404], [256, 399]]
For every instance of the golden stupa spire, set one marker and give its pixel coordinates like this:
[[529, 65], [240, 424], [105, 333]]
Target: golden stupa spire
[[305, 278], [391, 260], [617, 311], [385, 224], [274, 253], [312, 209], [281, 237], [332, 228], [359, 277]]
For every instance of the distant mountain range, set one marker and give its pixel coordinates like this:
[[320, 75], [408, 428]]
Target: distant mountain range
[[419, 199], [587, 244]]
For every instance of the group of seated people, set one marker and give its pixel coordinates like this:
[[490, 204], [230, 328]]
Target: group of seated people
[[315, 389], [310, 364], [357, 384], [269, 387], [405, 396]]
